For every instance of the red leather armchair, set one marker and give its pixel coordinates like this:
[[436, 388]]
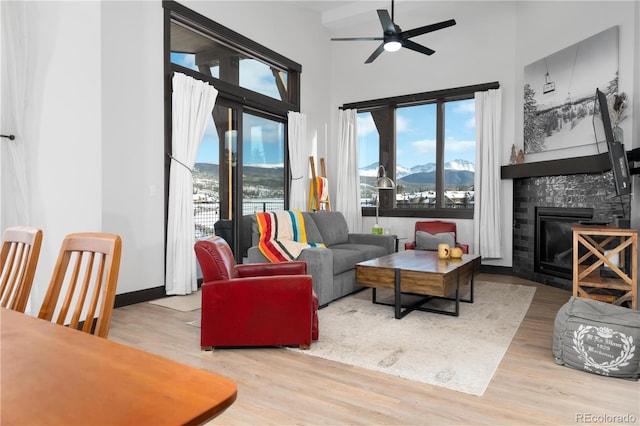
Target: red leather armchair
[[436, 227], [259, 304]]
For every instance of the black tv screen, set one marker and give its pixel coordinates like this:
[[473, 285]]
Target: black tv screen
[[617, 154]]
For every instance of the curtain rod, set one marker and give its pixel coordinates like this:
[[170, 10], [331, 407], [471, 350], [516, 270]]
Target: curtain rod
[[10, 137], [418, 97]]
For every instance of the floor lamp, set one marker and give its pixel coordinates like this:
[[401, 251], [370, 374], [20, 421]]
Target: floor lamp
[[382, 182]]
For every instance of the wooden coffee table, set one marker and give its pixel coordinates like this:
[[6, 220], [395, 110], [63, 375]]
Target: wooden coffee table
[[419, 272]]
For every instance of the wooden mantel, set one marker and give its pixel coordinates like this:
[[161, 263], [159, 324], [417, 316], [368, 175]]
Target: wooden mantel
[[566, 166]]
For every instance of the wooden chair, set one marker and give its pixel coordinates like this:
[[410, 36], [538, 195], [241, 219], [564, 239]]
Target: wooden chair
[[96, 258], [18, 260]]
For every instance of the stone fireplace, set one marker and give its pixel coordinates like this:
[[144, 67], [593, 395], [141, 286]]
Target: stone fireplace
[[574, 195]]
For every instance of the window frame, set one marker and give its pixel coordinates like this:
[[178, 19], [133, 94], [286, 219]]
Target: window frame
[[388, 146], [232, 95]]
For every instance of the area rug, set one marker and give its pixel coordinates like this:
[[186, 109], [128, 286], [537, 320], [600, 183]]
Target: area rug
[[189, 302], [459, 353]]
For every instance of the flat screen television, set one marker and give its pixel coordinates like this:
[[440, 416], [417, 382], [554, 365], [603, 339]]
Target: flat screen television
[[617, 154]]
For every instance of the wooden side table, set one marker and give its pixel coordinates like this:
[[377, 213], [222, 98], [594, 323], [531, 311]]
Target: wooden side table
[[587, 279]]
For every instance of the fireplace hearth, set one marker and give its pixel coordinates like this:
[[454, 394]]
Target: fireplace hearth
[[554, 239]]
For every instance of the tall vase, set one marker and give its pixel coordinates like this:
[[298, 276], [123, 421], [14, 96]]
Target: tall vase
[[618, 134]]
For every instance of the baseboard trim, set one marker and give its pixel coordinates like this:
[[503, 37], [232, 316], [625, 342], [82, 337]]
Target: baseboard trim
[[139, 296], [497, 270]]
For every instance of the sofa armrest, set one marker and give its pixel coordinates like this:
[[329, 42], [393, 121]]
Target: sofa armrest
[[386, 241], [319, 263], [269, 269], [410, 246]]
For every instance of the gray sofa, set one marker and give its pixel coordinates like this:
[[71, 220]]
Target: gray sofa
[[333, 268]]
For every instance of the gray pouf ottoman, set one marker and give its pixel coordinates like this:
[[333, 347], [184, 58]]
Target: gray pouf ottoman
[[598, 337]]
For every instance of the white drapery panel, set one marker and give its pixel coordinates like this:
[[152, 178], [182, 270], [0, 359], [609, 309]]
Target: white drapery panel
[[299, 160], [487, 219], [348, 177], [192, 104], [15, 50]]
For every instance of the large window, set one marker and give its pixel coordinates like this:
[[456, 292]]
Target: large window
[[426, 143], [241, 166]]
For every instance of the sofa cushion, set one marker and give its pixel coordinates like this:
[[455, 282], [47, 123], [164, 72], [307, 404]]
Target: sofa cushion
[[427, 241], [345, 259], [368, 251], [333, 227], [313, 234]]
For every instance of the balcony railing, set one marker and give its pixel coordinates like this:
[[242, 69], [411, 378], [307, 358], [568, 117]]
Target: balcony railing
[[207, 213]]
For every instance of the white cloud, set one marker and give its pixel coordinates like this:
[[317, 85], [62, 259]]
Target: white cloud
[[366, 126], [470, 123], [256, 76], [402, 124], [423, 146], [465, 107], [460, 146]]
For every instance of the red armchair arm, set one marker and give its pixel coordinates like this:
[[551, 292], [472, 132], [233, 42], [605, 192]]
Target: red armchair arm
[[270, 269], [260, 311], [410, 246], [464, 247]]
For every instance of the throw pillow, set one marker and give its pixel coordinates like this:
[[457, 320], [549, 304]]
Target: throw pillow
[[427, 241]]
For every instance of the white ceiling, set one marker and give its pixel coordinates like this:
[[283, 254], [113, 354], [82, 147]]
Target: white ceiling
[[343, 14], [340, 14]]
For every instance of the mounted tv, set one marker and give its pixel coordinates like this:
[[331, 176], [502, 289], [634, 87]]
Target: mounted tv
[[617, 154]]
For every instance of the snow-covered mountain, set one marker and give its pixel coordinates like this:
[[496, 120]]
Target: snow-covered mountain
[[401, 172]]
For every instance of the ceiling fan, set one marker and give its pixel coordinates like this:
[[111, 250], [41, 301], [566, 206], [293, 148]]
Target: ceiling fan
[[394, 38]]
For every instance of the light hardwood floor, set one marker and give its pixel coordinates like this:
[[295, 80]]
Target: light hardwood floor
[[281, 387]]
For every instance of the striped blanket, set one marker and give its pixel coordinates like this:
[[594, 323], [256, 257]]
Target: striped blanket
[[282, 235]]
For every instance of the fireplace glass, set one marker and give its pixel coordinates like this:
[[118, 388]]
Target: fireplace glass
[[554, 239]]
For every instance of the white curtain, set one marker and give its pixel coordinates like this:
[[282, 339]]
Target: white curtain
[[348, 177], [487, 220], [15, 51], [192, 104], [299, 160]]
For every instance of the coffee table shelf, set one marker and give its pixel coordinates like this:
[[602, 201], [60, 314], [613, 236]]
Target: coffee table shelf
[[419, 273]]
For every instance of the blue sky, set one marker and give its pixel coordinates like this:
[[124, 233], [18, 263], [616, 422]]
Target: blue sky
[[416, 134]]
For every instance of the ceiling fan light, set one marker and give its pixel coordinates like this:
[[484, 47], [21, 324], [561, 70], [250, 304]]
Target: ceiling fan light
[[392, 46]]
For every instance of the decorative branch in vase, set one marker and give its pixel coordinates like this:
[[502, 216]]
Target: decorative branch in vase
[[619, 104]]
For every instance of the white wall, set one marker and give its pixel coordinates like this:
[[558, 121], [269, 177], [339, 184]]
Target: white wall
[[492, 41], [133, 138], [65, 170], [480, 48]]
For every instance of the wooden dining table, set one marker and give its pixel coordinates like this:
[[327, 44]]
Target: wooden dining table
[[50, 374]]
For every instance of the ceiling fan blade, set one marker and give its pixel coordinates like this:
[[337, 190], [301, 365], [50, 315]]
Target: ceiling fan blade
[[356, 38], [417, 47], [375, 54], [427, 29], [387, 24]]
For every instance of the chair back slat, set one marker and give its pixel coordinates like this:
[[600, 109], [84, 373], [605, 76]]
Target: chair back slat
[[71, 290], [91, 287], [97, 291], [13, 272], [18, 260]]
